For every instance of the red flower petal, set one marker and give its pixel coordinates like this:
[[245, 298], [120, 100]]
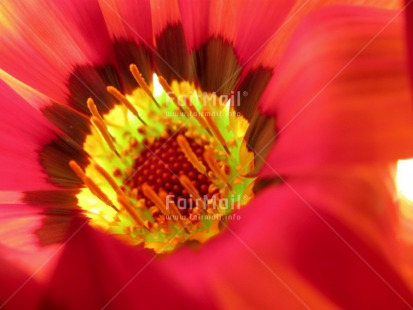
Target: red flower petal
[[409, 24], [18, 290], [272, 53], [243, 23], [172, 58], [18, 225], [289, 249], [129, 23], [128, 19], [164, 13], [341, 93], [22, 131], [96, 270], [41, 50]]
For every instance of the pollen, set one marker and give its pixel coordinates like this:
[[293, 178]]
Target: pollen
[[165, 167]]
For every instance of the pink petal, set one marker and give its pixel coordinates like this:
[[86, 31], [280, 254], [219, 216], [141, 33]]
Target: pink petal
[[17, 289], [66, 119], [96, 270], [128, 19], [43, 41], [171, 56], [409, 24], [245, 24], [26, 253], [22, 132], [164, 13], [195, 19], [271, 54], [19, 239], [19, 223], [130, 26], [289, 250], [341, 93]]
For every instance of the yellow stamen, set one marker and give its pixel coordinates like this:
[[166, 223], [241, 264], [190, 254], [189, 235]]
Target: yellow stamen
[[95, 112], [190, 155], [152, 196], [174, 208], [118, 95], [105, 133], [93, 109], [197, 116], [91, 185], [122, 197], [138, 77], [213, 165], [130, 208], [215, 130], [107, 177], [170, 93], [190, 188]]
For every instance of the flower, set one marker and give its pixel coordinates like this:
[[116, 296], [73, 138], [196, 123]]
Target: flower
[[323, 112]]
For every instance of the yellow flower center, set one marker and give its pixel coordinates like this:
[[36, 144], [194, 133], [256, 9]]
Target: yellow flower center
[[168, 165]]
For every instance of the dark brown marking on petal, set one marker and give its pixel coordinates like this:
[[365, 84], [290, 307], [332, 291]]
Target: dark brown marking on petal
[[55, 157], [172, 58], [260, 138], [57, 227], [262, 183], [54, 199], [128, 52], [249, 91], [217, 66], [71, 122], [91, 81], [60, 210]]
